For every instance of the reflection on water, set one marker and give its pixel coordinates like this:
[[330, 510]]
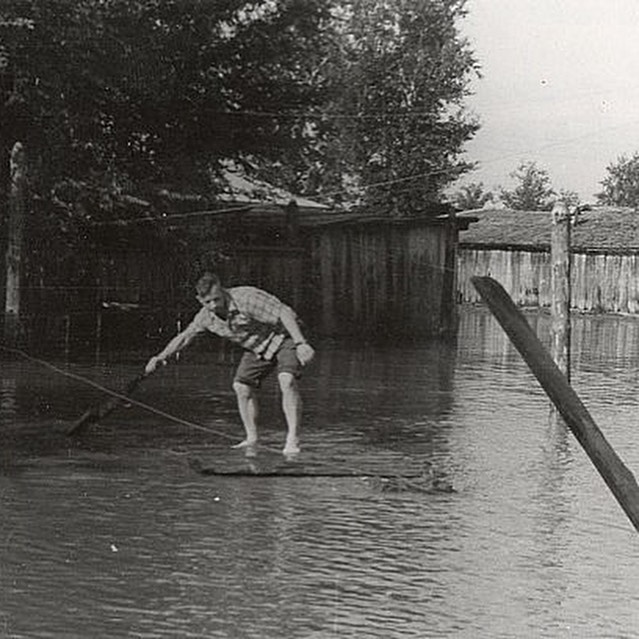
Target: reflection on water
[[113, 535]]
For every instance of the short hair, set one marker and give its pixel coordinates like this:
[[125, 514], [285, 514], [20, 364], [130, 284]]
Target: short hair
[[206, 283]]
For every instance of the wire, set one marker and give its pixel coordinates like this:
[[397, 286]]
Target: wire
[[374, 115], [239, 209], [108, 391], [352, 470], [171, 216], [355, 471]]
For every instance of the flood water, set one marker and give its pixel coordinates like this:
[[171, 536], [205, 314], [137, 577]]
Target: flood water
[[113, 534]]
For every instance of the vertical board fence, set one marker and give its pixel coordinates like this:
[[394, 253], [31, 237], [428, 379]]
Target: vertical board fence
[[275, 269], [600, 282]]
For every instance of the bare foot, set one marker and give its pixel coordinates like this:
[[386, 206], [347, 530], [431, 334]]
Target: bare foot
[[245, 444], [291, 448], [249, 447]]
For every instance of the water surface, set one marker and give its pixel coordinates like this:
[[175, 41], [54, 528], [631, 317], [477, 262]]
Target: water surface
[[112, 534]]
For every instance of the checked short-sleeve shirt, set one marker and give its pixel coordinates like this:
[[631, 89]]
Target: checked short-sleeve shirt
[[253, 321]]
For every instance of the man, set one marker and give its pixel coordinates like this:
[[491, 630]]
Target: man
[[269, 333]]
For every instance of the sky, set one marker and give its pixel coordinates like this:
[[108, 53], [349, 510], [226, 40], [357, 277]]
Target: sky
[[559, 86]]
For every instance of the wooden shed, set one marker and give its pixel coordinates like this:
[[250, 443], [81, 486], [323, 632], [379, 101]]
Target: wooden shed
[[346, 273], [514, 248]]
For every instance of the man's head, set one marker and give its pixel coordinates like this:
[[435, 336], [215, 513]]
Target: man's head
[[211, 294]]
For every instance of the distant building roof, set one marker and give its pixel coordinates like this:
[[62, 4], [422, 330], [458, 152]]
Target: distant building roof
[[308, 217], [242, 189], [249, 202], [601, 229]]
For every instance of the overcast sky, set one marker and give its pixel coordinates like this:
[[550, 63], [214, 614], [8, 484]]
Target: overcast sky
[[560, 87]]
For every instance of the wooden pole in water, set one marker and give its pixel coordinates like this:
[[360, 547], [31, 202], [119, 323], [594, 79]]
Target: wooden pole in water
[[98, 333], [617, 476], [67, 335], [560, 287], [15, 233]]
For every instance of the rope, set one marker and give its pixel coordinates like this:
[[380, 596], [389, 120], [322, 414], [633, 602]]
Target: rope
[[352, 470], [109, 391]]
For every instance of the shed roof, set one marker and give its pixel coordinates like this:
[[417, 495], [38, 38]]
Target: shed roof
[[599, 230], [273, 215], [254, 203], [242, 189]]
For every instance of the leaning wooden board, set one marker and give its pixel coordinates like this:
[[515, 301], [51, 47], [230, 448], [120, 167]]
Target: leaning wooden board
[[617, 476]]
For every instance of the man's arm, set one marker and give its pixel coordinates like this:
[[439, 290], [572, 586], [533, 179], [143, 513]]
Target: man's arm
[[305, 352], [172, 348], [267, 308]]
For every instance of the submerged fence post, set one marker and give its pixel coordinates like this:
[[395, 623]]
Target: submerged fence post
[[15, 233], [560, 287], [560, 296]]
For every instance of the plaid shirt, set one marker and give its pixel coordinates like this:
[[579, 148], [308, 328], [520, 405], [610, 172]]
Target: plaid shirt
[[253, 321]]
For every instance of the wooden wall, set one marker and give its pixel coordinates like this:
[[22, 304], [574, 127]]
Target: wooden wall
[[383, 279], [386, 280], [600, 283], [279, 270]]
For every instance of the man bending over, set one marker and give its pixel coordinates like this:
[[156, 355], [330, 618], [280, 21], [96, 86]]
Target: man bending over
[[269, 333]]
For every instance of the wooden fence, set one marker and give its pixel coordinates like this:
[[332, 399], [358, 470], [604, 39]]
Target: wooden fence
[[601, 283]]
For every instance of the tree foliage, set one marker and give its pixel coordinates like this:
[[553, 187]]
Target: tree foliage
[[108, 93], [569, 197], [532, 191], [398, 74], [472, 196], [621, 185], [340, 99]]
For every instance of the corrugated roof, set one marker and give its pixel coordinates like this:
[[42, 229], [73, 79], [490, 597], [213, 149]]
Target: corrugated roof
[[601, 229]]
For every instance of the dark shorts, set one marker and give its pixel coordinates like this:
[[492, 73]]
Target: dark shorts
[[253, 369]]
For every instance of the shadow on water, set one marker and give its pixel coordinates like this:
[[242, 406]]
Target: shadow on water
[[112, 534]]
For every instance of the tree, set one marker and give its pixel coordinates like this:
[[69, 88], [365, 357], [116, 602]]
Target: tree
[[111, 93], [621, 185], [392, 131], [533, 191], [570, 198], [120, 97], [342, 99], [472, 196]]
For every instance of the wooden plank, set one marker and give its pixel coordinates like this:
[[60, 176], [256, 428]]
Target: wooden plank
[[421, 482], [290, 472], [96, 413], [617, 476]]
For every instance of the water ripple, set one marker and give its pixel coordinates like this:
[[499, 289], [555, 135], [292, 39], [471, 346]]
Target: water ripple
[[113, 535]]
